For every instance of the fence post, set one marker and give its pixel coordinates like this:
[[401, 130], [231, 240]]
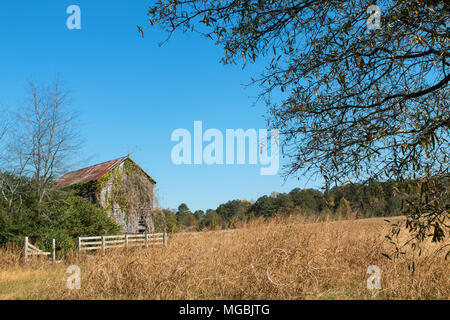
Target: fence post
[[146, 240], [25, 250], [103, 245], [53, 251], [165, 235], [79, 244], [126, 241]]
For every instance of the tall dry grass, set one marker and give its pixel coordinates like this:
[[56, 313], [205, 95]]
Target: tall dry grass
[[287, 259]]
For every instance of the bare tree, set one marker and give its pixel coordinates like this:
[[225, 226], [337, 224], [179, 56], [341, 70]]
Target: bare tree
[[45, 138], [12, 167], [6, 186], [3, 127]]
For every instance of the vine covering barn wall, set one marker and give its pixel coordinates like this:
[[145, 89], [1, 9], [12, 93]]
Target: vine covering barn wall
[[125, 192]]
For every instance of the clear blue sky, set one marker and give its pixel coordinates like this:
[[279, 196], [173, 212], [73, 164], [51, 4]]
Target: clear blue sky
[[131, 94]]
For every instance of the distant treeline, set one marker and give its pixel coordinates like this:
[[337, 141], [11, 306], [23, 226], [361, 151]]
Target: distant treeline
[[64, 215], [374, 199]]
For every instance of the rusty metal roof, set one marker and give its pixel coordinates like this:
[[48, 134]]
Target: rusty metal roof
[[91, 173]]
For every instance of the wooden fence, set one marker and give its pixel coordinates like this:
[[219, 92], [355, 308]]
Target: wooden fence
[[30, 250], [121, 241]]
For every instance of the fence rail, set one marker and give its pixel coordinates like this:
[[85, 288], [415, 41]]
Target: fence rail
[[121, 241], [30, 250]]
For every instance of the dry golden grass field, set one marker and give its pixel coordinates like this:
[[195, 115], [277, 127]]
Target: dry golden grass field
[[288, 259]]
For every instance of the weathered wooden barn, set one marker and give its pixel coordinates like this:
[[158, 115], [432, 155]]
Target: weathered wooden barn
[[121, 187]]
